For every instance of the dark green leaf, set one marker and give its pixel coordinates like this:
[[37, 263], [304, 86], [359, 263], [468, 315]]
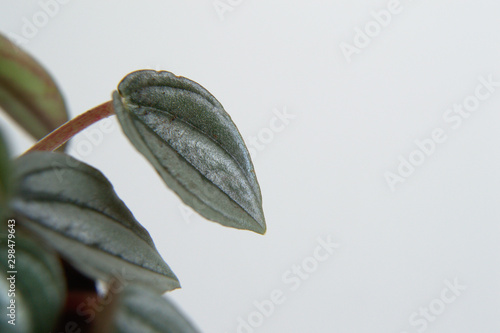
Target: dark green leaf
[[142, 310], [28, 93], [5, 177], [39, 285], [74, 207], [192, 142]]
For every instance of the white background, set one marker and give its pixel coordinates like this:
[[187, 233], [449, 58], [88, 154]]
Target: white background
[[323, 174]]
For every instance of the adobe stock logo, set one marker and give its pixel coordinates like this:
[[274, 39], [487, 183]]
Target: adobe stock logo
[[94, 136], [426, 315], [277, 124], [292, 279], [380, 20], [454, 117], [48, 9], [224, 6]]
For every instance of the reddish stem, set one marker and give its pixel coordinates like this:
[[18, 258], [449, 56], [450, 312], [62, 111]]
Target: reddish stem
[[67, 130]]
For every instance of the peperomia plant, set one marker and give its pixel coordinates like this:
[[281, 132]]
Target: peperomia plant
[[63, 228]]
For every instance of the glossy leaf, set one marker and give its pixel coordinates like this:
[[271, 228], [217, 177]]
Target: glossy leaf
[[28, 93], [74, 207], [142, 310], [195, 147], [39, 291]]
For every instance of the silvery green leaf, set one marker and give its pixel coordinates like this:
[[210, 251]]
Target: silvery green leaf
[[74, 208], [192, 142], [142, 310], [38, 287], [28, 93]]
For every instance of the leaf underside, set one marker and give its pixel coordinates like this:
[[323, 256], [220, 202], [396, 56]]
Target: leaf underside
[[28, 93]]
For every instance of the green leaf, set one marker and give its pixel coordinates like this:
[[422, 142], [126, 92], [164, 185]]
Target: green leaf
[[6, 186], [74, 207], [192, 142], [142, 310], [28, 93], [40, 290]]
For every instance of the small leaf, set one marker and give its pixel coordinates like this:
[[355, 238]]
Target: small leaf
[[39, 291], [6, 186], [74, 207], [192, 142], [28, 93], [142, 310]]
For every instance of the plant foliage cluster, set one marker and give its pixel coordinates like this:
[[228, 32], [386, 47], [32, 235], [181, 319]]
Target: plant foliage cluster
[[63, 227]]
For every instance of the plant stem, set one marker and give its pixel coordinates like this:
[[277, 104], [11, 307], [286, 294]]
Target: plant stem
[[66, 131]]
